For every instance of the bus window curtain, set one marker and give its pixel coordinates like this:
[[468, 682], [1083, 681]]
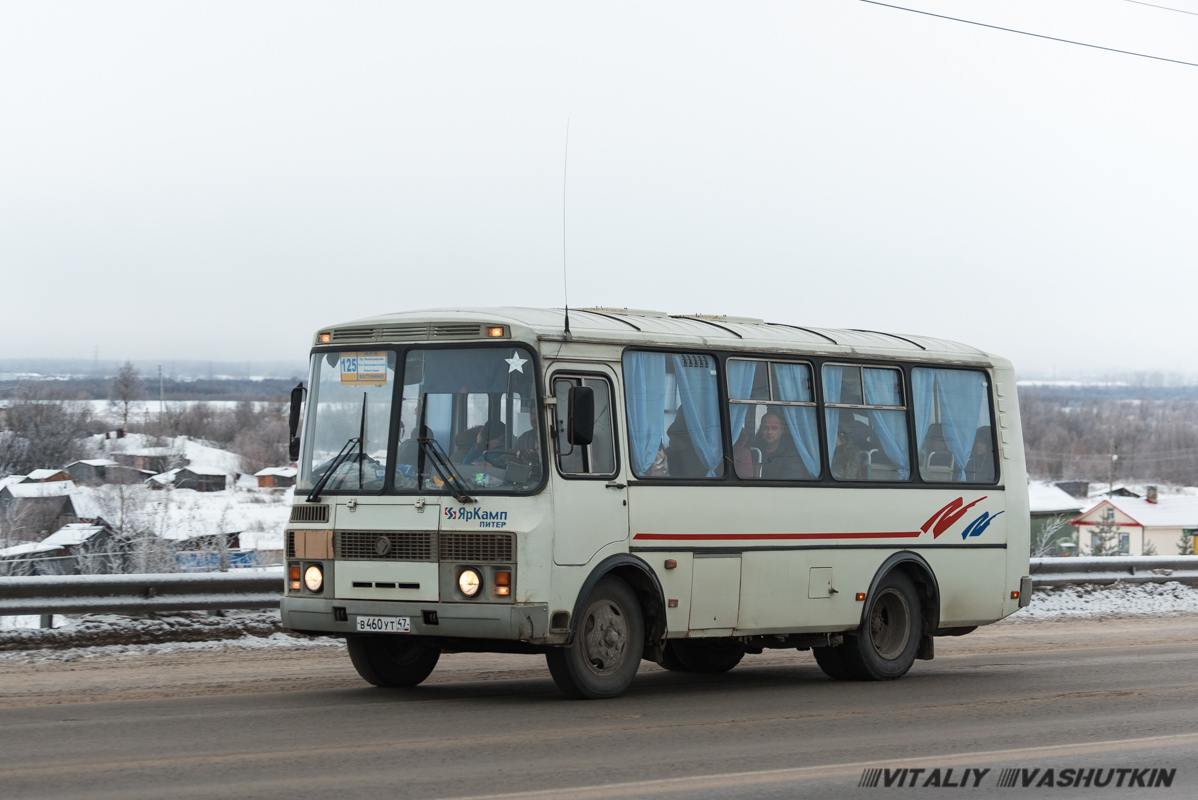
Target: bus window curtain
[[699, 397], [833, 377], [922, 385], [800, 419], [890, 426], [645, 394], [740, 386], [961, 394]]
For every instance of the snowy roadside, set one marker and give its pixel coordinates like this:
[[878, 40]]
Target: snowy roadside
[[99, 637], [109, 636], [1115, 601]]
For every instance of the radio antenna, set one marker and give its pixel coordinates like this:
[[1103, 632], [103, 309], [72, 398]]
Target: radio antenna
[[565, 284]]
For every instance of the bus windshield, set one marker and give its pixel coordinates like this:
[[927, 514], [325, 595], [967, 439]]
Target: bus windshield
[[469, 416], [349, 420]]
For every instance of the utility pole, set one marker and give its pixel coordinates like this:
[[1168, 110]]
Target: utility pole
[[161, 404], [1111, 471]]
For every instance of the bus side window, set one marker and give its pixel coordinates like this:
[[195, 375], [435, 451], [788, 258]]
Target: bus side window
[[599, 457], [954, 431], [674, 420], [866, 419]]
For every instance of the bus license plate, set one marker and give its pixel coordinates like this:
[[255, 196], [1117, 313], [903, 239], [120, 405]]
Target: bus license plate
[[384, 624]]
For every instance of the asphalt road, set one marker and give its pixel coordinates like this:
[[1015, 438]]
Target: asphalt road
[[299, 723]]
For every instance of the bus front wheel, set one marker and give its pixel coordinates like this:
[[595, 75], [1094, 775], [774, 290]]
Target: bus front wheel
[[391, 661], [608, 643], [885, 646]]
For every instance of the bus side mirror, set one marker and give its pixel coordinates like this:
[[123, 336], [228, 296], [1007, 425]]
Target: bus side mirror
[[297, 398], [581, 415]]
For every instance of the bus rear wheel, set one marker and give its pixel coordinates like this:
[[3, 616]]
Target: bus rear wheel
[[391, 661], [707, 655], [609, 640], [885, 647]]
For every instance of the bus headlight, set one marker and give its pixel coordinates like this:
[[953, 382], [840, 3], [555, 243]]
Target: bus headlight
[[470, 582], [313, 578]]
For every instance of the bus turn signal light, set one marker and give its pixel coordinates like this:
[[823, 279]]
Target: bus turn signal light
[[495, 332], [1015, 595], [325, 337], [860, 597], [503, 583]]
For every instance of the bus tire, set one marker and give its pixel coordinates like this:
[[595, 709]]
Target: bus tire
[[608, 644], [709, 656], [670, 660], [831, 661], [391, 661], [885, 647]]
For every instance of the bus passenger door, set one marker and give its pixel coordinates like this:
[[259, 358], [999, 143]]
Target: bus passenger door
[[590, 508]]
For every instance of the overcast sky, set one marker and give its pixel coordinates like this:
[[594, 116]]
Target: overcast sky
[[217, 180]]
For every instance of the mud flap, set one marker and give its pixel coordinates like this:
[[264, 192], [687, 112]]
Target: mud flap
[[927, 648]]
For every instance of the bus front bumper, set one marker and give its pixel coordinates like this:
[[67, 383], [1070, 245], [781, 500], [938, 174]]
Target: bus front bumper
[[523, 622]]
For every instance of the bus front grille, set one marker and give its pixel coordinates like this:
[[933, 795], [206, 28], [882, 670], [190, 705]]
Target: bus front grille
[[476, 547], [384, 545]]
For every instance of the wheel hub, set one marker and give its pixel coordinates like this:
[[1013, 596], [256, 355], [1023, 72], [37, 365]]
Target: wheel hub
[[606, 638], [890, 624]]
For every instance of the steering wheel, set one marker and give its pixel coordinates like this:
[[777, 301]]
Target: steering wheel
[[499, 458]]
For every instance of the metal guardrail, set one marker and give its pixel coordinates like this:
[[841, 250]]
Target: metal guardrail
[[1105, 570], [246, 589], [141, 594]]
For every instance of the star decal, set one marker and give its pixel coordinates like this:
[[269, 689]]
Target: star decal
[[515, 363]]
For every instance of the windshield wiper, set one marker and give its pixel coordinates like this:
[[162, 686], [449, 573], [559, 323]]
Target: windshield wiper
[[360, 440], [314, 495], [441, 462]]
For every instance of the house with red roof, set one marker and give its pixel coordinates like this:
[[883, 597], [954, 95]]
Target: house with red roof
[[1156, 521]]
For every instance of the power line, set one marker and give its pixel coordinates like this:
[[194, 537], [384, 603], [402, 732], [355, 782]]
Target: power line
[[1166, 8], [1027, 33]]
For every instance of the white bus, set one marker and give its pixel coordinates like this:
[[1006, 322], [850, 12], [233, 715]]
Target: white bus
[[683, 489]]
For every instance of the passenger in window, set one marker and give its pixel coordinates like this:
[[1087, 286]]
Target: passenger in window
[[980, 468], [683, 460], [490, 437], [779, 458], [465, 441], [528, 444], [742, 456], [660, 468], [409, 448], [847, 460]]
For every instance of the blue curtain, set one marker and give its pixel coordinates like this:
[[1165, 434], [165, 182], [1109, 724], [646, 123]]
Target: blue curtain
[[922, 383], [793, 386], [740, 386], [881, 388], [645, 396], [961, 394], [700, 401], [832, 381]]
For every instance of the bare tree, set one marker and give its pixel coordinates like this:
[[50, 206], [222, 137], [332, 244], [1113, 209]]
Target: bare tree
[[44, 430], [127, 388], [1045, 543]]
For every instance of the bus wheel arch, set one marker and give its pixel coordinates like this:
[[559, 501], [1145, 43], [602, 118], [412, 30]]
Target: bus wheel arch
[[900, 613], [645, 585], [917, 569]]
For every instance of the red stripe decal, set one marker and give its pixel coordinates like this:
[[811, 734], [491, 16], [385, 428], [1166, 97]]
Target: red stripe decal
[[673, 537]]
